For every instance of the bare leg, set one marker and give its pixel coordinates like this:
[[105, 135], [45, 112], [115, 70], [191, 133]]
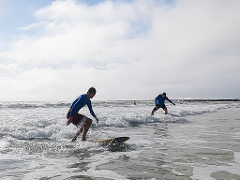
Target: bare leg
[[86, 126], [78, 133], [166, 111], [154, 109]]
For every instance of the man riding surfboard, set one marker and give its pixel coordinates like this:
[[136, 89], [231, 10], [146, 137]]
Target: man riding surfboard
[[159, 100], [80, 121]]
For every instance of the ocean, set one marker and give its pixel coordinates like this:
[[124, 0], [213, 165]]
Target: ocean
[[197, 140]]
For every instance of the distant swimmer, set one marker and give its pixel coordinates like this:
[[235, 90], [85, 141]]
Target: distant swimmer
[[82, 122], [134, 103], [159, 100]]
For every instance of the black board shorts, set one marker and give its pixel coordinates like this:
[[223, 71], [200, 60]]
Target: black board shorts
[[162, 106]]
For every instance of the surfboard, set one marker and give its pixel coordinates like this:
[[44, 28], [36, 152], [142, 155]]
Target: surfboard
[[113, 140]]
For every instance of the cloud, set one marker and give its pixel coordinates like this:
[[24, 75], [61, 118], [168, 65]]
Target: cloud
[[127, 50], [33, 26]]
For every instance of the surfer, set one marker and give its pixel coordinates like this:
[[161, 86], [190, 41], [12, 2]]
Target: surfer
[[82, 122], [134, 103], [159, 100]]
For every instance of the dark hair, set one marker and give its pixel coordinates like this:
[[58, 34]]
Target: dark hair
[[92, 90], [164, 93]]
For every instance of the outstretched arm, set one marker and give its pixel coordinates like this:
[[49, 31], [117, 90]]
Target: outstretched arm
[[89, 104], [170, 101]]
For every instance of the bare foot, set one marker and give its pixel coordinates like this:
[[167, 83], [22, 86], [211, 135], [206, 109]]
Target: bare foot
[[74, 139]]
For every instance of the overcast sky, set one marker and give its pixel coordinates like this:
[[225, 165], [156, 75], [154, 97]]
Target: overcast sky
[[127, 49]]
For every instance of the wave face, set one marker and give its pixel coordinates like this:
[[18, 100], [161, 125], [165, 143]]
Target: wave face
[[46, 120]]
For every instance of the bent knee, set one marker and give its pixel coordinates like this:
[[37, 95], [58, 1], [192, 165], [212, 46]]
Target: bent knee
[[89, 121]]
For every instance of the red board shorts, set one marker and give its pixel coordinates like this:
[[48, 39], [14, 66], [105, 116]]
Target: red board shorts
[[78, 120]]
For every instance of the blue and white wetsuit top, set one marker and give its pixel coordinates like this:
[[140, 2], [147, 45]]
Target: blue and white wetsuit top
[[79, 103], [160, 100]]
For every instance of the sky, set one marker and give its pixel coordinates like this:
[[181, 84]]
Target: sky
[[55, 50]]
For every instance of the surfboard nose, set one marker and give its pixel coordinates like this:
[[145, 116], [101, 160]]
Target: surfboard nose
[[120, 139], [114, 140]]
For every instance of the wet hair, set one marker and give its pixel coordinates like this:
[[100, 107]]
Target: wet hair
[[92, 90], [164, 93]]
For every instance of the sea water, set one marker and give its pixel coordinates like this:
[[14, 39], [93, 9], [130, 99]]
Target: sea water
[[197, 140]]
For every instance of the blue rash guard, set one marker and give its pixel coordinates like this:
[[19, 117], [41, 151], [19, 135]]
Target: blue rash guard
[[79, 103], [160, 100]]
